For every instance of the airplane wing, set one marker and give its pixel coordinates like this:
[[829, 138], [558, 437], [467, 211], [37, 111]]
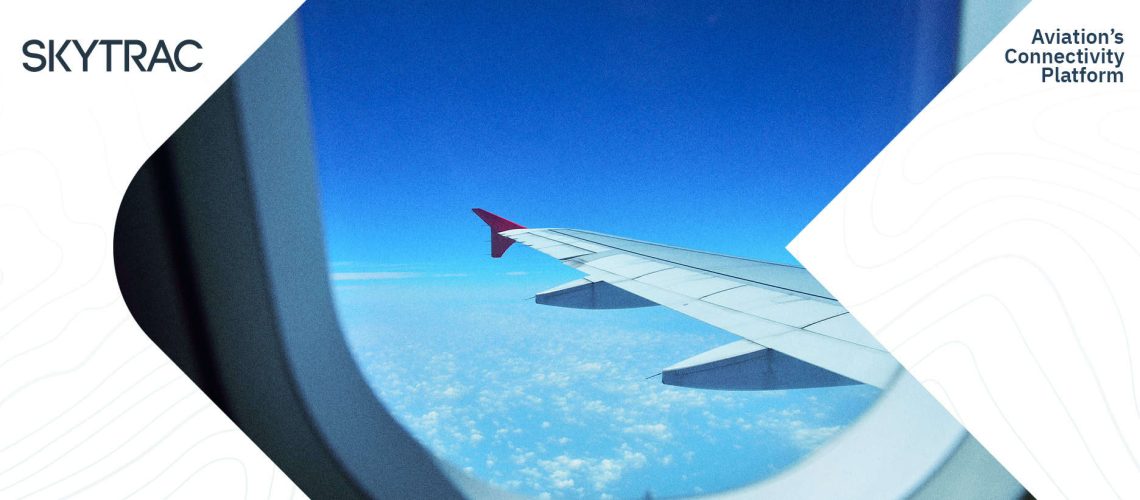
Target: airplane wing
[[794, 334]]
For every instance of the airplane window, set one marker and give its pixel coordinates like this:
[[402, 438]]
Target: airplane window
[[717, 127]]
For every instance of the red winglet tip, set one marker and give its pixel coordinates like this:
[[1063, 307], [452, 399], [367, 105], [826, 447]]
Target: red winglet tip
[[498, 224], [499, 243]]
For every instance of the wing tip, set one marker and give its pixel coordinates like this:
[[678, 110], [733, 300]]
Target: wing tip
[[499, 243], [497, 223]]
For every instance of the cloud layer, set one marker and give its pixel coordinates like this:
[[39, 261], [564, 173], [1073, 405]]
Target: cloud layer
[[554, 402]]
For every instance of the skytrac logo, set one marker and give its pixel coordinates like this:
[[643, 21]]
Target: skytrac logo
[[111, 55]]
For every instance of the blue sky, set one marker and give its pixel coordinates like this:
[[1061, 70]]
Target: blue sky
[[720, 126]]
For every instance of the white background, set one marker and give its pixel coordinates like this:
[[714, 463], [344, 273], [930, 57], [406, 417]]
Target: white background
[[994, 248], [88, 405]]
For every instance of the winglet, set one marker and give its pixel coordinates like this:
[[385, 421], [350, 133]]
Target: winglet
[[499, 243]]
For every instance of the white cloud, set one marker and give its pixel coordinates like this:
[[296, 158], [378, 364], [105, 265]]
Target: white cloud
[[564, 412], [658, 431], [560, 469], [552, 378], [634, 459], [606, 472], [592, 367], [370, 276], [595, 405], [430, 420], [388, 275], [565, 472]]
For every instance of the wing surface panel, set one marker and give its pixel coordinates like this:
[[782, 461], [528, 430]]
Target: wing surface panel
[[782, 276]]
